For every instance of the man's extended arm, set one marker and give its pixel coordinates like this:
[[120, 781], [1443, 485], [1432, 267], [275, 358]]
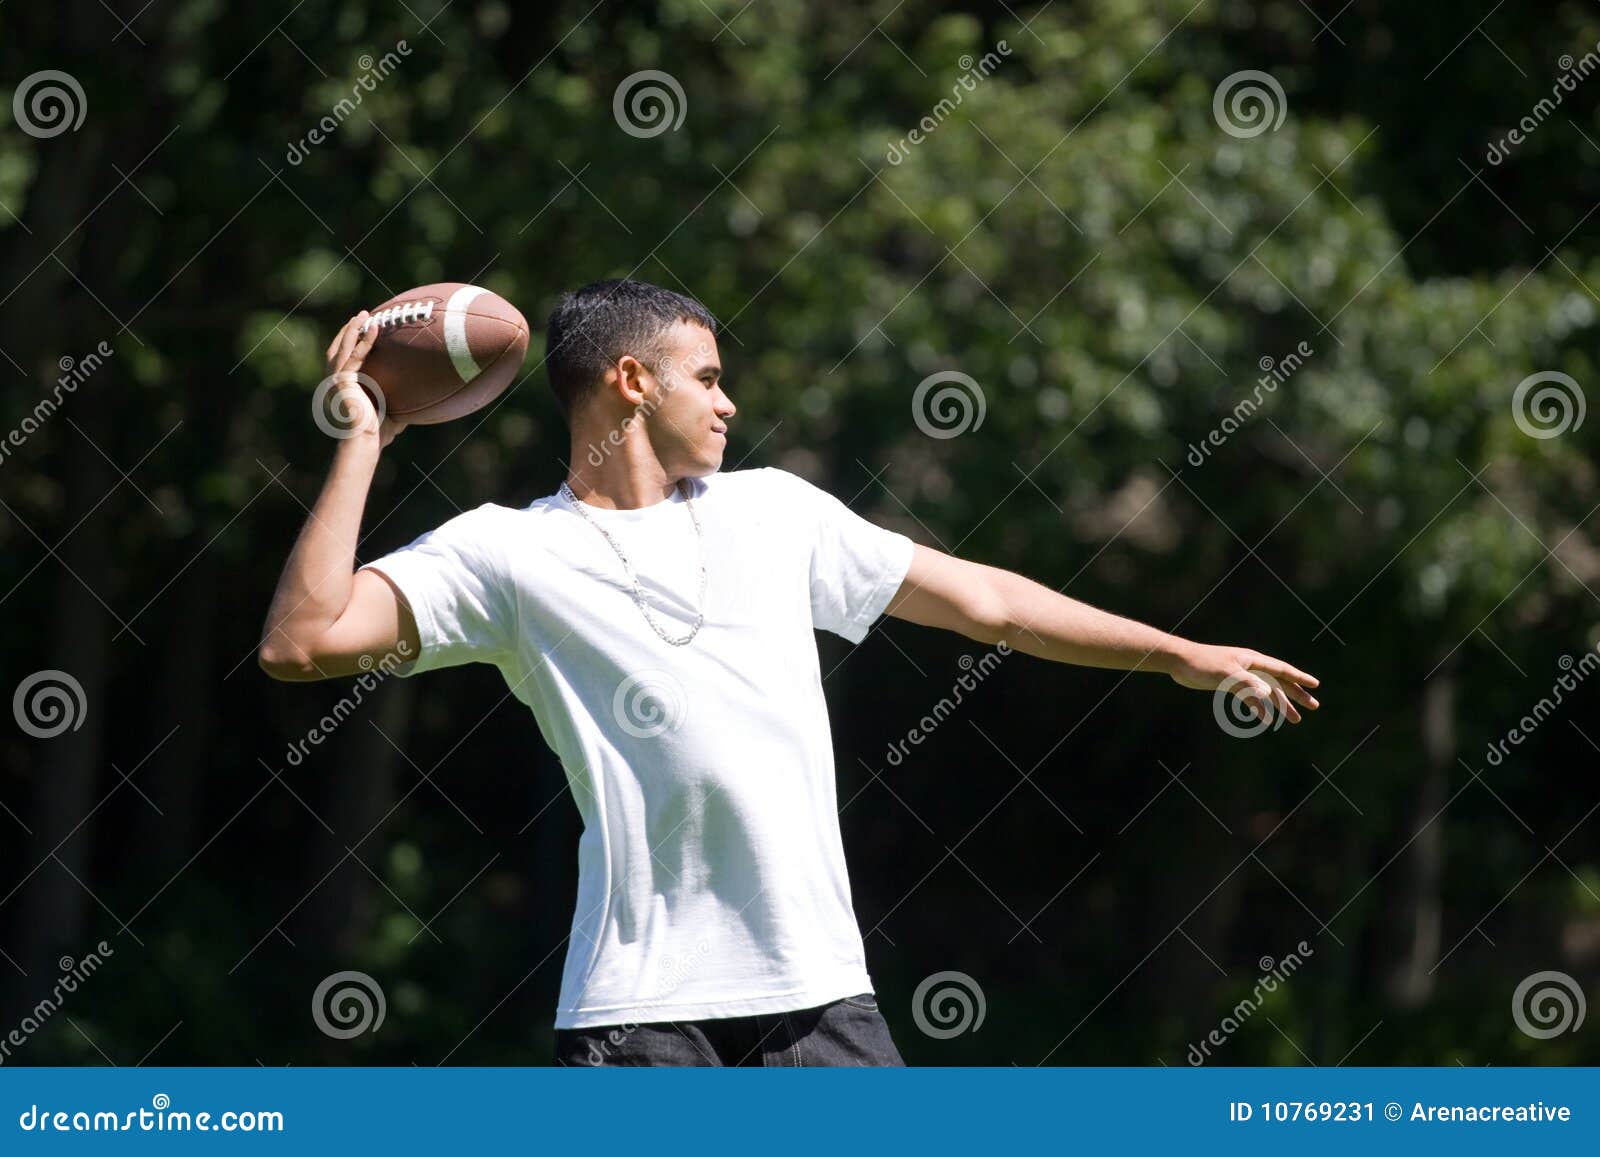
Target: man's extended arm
[[993, 605], [325, 616]]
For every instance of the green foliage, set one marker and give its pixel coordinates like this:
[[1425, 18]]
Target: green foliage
[[1078, 235]]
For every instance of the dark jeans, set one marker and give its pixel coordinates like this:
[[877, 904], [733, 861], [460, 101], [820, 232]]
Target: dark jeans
[[850, 1031]]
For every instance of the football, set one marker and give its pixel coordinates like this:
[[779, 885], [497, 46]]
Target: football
[[444, 350]]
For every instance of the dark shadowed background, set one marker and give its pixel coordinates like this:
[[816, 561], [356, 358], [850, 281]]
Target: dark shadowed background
[[1267, 323]]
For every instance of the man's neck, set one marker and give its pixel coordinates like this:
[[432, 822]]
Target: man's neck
[[617, 484]]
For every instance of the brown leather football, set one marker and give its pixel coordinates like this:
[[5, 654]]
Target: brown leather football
[[444, 350]]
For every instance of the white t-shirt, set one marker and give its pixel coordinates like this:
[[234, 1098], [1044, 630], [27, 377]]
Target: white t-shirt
[[711, 874]]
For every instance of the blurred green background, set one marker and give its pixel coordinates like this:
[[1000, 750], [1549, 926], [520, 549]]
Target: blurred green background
[[1096, 235]]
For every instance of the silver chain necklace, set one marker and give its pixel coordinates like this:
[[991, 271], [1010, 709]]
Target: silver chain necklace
[[633, 578]]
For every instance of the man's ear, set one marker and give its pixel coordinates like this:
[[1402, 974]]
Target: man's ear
[[630, 373]]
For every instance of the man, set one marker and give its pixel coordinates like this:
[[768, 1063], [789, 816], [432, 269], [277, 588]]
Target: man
[[657, 616]]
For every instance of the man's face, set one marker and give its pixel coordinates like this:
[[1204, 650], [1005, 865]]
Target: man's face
[[687, 410]]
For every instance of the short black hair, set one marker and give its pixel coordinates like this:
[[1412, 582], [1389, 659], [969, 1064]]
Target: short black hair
[[590, 328]]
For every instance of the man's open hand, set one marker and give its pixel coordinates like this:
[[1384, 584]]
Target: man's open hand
[[1262, 683]]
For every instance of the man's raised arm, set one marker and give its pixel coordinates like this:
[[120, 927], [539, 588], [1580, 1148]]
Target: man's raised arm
[[325, 616], [993, 605]]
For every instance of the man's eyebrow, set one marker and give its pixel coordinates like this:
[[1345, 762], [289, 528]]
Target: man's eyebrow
[[712, 368]]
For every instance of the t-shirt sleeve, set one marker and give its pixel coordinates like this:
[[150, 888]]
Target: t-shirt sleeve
[[453, 580], [856, 565]]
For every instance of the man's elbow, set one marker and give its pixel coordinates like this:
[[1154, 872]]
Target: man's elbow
[[286, 663], [985, 614], [991, 625], [992, 610]]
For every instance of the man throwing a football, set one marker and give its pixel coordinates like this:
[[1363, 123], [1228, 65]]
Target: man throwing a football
[[656, 614]]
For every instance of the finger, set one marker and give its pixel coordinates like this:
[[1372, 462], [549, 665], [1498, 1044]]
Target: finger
[[360, 332], [1266, 698], [1283, 705], [336, 350], [1301, 695], [1254, 694], [337, 342], [348, 338], [1283, 670], [1256, 686], [363, 344]]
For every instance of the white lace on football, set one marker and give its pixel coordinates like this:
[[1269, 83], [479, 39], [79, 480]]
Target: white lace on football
[[402, 314]]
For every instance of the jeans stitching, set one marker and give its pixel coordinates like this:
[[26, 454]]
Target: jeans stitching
[[762, 1041], [794, 1042]]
